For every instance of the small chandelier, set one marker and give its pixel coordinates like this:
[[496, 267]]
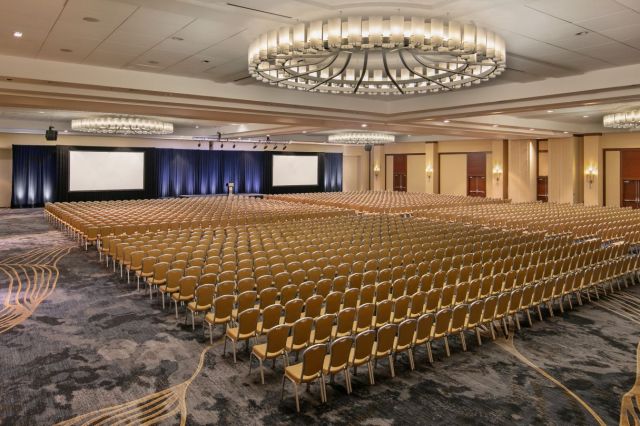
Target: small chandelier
[[623, 120], [122, 125], [377, 55], [362, 138]]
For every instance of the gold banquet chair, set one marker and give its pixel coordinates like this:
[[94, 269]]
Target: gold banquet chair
[[338, 360], [308, 371], [274, 347]]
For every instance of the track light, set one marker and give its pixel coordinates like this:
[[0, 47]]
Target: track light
[[266, 146], [275, 147], [210, 145], [285, 148], [221, 145], [234, 145], [255, 146], [199, 144]]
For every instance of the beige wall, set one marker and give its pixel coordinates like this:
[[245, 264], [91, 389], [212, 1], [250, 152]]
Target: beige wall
[[495, 185], [388, 181], [522, 170], [378, 160], [612, 180], [453, 174], [416, 178], [6, 165], [564, 180], [431, 160], [592, 158]]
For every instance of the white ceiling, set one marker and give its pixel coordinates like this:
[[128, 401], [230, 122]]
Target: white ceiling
[[209, 38]]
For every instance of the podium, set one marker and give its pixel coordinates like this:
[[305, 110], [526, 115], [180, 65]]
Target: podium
[[230, 188]]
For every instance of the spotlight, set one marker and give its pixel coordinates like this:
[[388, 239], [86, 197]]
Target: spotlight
[[234, 145], [275, 147], [255, 146], [266, 146], [285, 148], [221, 145], [210, 145], [199, 144]]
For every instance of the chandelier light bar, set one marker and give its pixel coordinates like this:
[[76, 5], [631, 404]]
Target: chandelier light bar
[[623, 120], [122, 125], [377, 55], [362, 138]]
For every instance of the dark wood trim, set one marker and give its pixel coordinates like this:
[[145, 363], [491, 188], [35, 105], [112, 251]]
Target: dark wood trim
[[604, 171], [397, 153], [505, 169]]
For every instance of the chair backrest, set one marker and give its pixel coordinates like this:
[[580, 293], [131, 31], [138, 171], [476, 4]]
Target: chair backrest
[[364, 344], [443, 319], [293, 310], [301, 331], [340, 351], [385, 338], [406, 332], [247, 321], [223, 306], [323, 327], [277, 339], [225, 288], [458, 318], [208, 279], [475, 313], [268, 297], [333, 302], [160, 270], [424, 327], [187, 286], [173, 277], [271, 316], [345, 320], [313, 360], [204, 295], [364, 315], [313, 306], [246, 300]]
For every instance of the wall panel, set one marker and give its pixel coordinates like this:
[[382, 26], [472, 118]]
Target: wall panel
[[453, 174], [612, 178], [416, 181]]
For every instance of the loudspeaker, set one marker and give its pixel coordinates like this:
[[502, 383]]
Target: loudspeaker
[[368, 147], [51, 135]]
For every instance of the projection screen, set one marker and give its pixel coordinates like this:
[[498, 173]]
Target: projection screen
[[292, 170], [106, 170]]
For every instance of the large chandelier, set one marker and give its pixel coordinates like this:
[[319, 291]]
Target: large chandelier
[[362, 138], [122, 125], [623, 120], [377, 55]]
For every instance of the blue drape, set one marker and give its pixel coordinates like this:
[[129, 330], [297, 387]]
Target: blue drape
[[332, 172], [191, 172], [34, 175]]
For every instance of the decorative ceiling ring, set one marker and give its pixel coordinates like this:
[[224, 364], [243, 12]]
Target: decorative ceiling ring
[[377, 55]]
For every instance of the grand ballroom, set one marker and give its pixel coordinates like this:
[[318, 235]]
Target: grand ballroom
[[316, 212]]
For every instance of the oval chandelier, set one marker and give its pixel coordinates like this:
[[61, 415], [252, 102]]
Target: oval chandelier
[[623, 120], [377, 55], [122, 125], [361, 138]]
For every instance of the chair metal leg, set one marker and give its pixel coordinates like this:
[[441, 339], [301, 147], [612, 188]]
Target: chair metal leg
[[210, 333], [446, 345], [478, 337], [463, 341], [411, 363], [261, 369], [295, 386], [284, 378], [193, 320], [391, 367], [233, 342], [429, 352], [371, 378]]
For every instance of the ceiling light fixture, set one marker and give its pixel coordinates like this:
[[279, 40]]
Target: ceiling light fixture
[[377, 55], [363, 125], [90, 19], [531, 130], [585, 116], [176, 38], [17, 34], [549, 110], [361, 138], [495, 125], [565, 133], [304, 131], [122, 125], [623, 120], [447, 121]]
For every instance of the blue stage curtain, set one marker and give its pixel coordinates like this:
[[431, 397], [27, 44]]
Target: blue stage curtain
[[34, 175], [192, 172], [254, 172], [332, 172]]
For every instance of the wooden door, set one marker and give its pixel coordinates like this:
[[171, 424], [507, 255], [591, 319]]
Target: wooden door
[[630, 175], [400, 172], [543, 189], [631, 193], [477, 174]]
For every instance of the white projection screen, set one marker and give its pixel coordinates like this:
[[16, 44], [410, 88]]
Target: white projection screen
[[106, 170], [295, 170]]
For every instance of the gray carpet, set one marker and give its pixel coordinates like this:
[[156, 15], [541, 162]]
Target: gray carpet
[[96, 348]]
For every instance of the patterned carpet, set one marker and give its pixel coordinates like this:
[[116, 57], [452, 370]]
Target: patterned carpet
[[81, 346]]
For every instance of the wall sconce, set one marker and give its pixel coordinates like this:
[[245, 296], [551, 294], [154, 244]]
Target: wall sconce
[[429, 171], [497, 172], [590, 174], [376, 169]]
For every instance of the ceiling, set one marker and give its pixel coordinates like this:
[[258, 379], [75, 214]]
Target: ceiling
[[209, 38], [185, 61]]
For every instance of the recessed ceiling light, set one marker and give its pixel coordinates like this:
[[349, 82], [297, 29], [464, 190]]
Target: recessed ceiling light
[[495, 125], [90, 19], [565, 132], [447, 121], [304, 131], [268, 136], [234, 124], [65, 131], [409, 135], [176, 38], [17, 34], [531, 130], [364, 125], [585, 116], [66, 50], [549, 110], [40, 112], [197, 127]]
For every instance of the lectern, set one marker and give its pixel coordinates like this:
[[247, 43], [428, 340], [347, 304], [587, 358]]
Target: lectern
[[230, 187]]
